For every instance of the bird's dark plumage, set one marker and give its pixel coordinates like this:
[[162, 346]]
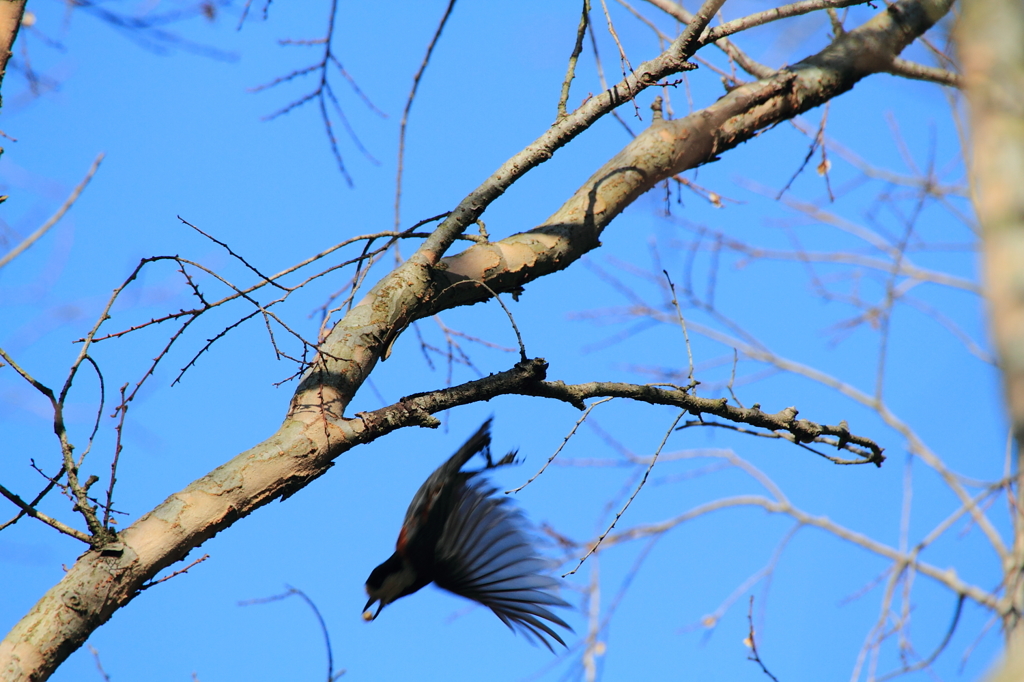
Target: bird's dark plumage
[[459, 534]]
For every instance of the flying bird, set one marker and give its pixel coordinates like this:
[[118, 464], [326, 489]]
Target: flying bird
[[459, 535]]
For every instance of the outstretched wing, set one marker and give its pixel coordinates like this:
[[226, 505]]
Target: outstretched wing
[[485, 554], [433, 489]]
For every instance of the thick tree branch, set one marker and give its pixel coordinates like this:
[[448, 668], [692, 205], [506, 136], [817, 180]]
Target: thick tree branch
[[390, 307], [11, 12], [670, 147]]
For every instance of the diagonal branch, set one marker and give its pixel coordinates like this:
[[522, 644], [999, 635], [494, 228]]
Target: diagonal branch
[[29, 510], [55, 218], [416, 289]]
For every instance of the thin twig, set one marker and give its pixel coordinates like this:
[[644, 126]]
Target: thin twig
[[198, 561], [55, 218], [79, 493], [99, 666], [564, 442], [943, 576], [324, 92], [908, 69], [611, 526], [122, 409], [408, 107], [775, 14], [926, 662], [233, 254], [570, 71], [292, 591], [53, 523], [734, 53], [511, 319], [682, 324], [752, 643]]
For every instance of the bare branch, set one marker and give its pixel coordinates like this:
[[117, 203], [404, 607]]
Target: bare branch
[[565, 441], [570, 71], [53, 523], [749, 65], [752, 643], [323, 92], [55, 218], [647, 472], [946, 577], [314, 432], [408, 107], [921, 72], [774, 14], [180, 571], [803, 431]]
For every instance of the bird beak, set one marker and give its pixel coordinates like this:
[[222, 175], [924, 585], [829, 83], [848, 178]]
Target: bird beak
[[367, 615]]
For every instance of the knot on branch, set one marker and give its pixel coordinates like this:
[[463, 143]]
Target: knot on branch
[[533, 369], [842, 434], [406, 412], [805, 431], [73, 601], [656, 110]]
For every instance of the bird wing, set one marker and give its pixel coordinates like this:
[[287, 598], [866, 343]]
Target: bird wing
[[484, 553], [448, 473]]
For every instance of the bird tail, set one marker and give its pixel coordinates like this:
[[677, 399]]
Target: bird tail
[[479, 442]]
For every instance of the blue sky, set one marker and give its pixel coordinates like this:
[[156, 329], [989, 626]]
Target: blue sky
[[183, 136]]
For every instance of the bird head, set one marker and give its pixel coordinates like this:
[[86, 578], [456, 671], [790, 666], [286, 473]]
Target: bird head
[[392, 579]]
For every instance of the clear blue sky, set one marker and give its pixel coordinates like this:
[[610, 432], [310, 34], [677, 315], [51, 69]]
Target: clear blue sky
[[183, 136]]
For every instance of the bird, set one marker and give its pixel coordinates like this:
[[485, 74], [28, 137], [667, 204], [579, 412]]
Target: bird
[[459, 535]]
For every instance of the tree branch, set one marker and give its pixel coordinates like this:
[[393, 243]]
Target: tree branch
[[11, 12], [754, 68], [907, 69], [31, 511], [774, 14], [946, 577], [55, 218], [803, 431]]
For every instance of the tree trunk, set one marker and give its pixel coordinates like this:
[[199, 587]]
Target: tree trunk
[[991, 42]]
